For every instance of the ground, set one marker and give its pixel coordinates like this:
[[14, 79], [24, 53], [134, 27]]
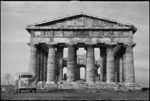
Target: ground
[[75, 95]]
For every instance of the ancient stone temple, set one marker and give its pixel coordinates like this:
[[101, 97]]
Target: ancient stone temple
[[114, 40]]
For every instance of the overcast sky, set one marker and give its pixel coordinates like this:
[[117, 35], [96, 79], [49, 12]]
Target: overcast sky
[[15, 16]]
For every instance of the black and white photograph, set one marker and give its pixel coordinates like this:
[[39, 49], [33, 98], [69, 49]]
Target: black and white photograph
[[74, 50]]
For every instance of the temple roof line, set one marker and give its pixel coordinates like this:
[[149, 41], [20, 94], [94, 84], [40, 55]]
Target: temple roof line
[[81, 14]]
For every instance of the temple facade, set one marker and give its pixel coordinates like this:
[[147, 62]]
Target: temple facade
[[114, 40]]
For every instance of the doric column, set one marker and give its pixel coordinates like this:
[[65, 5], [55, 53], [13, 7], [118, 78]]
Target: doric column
[[78, 72], [46, 62], [41, 65], [44, 71], [76, 69], [123, 64], [85, 73], [110, 63], [129, 64], [32, 63], [121, 68], [90, 64], [51, 64], [60, 64], [71, 64], [37, 65], [116, 64], [102, 63]]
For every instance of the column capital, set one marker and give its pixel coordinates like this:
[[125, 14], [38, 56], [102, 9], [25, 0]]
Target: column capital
[[70, 44], [88, 45], [129, 45], [110, 44], [103, 47], [32, 44], [60, 48], [51, 45]]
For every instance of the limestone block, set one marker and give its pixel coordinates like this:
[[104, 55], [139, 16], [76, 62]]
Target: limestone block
[[39, 40], [49, 33], [68, 33], [78, 34], [61, 40], [86, 33], [106, 34], [94, 40], [58, 33], [101, 34]]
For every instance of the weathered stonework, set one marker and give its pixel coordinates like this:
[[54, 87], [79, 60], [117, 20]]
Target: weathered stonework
[[114, 39]]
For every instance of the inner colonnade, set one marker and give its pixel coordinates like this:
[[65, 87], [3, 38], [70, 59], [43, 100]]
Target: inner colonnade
[[116, 64]]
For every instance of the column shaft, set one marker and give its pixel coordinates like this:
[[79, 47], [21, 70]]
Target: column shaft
[[37, 65], [130, 75], [102, 63], [121, 69], [51, 65], [78, 72], [90, 65], [44, 62], [32, 63], [41, 66], [60, 58], [116, 68], [123, 65], [71, 64], [110, 64]]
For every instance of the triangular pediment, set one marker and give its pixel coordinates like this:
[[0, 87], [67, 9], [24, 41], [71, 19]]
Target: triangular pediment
[[79, 21]]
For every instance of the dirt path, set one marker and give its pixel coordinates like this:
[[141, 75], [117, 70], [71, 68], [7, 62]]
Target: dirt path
[[104, 95]]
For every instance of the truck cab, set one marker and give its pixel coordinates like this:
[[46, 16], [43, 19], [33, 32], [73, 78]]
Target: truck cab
[[25, 81]]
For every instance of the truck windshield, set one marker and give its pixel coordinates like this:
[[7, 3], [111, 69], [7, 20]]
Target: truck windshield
[[26, 76]]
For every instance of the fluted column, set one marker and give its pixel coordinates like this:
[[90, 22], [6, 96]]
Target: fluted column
[[32, 63], [121, 69], [116, 63], [123, 64], [71, 64], [41, 66], [46, 62], [60, 58], [110, 64], [44, 72], [51, 65], [76, 69], [90, 64], [85, 73], [129, 64], [37, 65], [78, 72], [102, 63]]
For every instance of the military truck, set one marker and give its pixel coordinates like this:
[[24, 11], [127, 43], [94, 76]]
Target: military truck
[[25, 81]]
